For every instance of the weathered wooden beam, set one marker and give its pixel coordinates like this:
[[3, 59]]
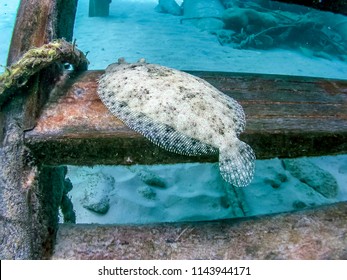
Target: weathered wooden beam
[[309, 234], [30, 195], [286, 117]]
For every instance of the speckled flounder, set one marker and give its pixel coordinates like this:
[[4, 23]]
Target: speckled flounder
[[180, 113]]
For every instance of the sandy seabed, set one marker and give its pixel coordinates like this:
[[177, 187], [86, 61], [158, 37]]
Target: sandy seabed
[[195, 191]]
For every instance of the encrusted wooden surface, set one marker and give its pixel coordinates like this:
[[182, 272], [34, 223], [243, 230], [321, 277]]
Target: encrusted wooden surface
[[286, 117], [311, 234], [28, 204], [37, 22], [36, 60]]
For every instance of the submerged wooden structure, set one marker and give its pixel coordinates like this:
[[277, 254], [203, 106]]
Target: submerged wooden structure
[[335, 6], [58, 119], [286, 117]]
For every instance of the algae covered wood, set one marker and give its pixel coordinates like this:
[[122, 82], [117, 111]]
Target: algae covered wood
[[30, 195], [309, 234], [36, 59], [287, 116], [40, 21]]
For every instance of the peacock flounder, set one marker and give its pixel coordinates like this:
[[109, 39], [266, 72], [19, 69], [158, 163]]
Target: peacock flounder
[[180, 113]]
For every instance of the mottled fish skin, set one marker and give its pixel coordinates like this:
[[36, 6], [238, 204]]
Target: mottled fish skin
[[181, 113]]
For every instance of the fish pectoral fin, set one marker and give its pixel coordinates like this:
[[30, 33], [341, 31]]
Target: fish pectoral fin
[[237, 164]]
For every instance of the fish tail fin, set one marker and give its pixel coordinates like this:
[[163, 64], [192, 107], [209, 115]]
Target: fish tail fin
[[237, 164]]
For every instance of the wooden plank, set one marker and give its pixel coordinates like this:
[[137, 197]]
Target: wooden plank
[[286, 117], [310, 234]]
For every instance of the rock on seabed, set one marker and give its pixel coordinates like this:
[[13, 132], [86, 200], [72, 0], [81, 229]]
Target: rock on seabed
[[313, 176], [96, 197]]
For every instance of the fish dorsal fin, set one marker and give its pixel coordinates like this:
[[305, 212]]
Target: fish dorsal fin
[[237, 164]]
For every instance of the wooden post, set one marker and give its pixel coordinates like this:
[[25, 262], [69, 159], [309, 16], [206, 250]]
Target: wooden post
[[39, 22], [27, 227]]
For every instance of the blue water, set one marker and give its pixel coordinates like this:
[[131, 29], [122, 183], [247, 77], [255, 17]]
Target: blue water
[[8, 10], [134, 29], [196, 191]]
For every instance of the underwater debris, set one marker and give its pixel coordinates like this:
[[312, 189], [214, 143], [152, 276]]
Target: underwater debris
[[257, 25], [147, 192], [36, 59], [269, 30], [66, 205], [180, 113], [248, 20], [97, 189], [204, 14], [148, 177], [169, 7], [313, 176]]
